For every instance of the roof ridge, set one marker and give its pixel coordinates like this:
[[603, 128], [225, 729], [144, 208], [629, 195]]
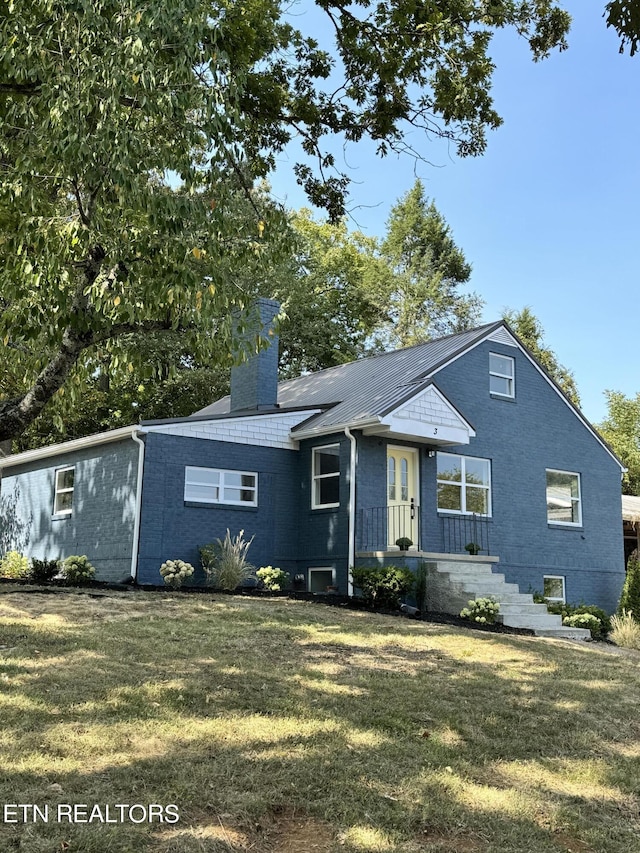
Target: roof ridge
[[370, 356]]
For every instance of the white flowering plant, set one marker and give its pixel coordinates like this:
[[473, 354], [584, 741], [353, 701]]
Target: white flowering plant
[[481, 610], [175, 572], [272, 578]]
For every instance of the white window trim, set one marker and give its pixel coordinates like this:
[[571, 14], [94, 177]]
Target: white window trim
[[315, 477], [553, 522], [562, 600], [58, 490], [313, 569], [510, 377], [221, 487], [463, 491]]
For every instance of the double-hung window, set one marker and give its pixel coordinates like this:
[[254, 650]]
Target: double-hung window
[[502, 373], [219, 486], [464, 484], [325, 476], [564, 502], [63, 497]]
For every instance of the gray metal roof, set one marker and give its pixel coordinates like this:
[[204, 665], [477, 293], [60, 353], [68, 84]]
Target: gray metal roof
[[367, 388]]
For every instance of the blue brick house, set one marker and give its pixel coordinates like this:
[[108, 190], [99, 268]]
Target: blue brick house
[[463, 443]]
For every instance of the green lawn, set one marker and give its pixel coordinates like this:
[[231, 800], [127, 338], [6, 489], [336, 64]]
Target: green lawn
[[286, 726]]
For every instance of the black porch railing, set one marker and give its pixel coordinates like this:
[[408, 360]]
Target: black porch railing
[[460, 531], [381, 526]]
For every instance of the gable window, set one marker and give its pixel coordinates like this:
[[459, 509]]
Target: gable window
[[554, 589], [219, 486], [63, 497], [502, 371], [325, 476], [464, 484], [564, 504]]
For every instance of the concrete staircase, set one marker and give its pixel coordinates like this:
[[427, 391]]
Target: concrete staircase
[[453, 580]]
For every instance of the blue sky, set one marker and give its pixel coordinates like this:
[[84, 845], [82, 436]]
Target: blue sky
[[548, 217]]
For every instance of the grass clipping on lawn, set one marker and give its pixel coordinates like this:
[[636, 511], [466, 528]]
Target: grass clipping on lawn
[[284, 726]]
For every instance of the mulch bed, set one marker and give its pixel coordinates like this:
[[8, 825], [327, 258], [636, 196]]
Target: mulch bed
[[99, 589]]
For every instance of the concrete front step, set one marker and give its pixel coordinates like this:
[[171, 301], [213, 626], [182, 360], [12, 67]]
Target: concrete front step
[[456, 581], [564, 633], [522, 608], [543, 625]]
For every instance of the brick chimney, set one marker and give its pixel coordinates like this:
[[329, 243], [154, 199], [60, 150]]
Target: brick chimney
[[254, 383]]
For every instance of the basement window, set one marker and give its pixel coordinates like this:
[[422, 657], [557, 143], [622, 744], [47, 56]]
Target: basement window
[[320, 579], [554, 589]]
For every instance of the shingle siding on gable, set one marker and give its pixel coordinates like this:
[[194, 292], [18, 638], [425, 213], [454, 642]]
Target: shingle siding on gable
[[101, 524], [172, 530], [429, 408], [523, 438], [268, 431]]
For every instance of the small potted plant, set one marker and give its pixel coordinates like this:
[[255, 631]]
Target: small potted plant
[[404, 543], [473, 548]]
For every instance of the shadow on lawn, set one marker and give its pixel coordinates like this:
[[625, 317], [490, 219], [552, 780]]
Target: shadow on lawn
[[375, 728]]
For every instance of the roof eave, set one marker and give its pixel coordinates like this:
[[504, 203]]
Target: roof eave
[[68, 446]]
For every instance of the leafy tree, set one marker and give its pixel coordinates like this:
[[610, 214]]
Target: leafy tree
[[624, 17], [529, 329], [427, 269], [126, 131], [621, 430], [332, 293]]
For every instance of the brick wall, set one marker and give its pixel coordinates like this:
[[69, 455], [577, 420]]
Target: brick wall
[[101, 524]]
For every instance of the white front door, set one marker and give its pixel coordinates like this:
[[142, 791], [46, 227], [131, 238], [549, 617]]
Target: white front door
[[402, 495]]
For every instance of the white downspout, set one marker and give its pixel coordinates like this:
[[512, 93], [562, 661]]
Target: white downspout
[[138, 507], [352, 507]]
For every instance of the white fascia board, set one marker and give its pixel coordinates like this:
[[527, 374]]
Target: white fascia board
[[68, 446], [332, 429], [516, 343], [226, 419]]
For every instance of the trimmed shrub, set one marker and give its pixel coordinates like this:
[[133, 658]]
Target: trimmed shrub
[[384, 586], [78, 570], [584, 620], [625, 631], [225, 561], [598, 631], [481, 610], [630, 597], [175, 572], [14, 565], [272, 578], [43, 570]]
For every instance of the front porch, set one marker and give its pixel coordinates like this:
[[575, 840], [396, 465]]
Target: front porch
[[379, 528]]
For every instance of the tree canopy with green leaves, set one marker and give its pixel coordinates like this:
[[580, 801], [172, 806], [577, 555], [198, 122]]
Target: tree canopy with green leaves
[[427, 268], [621, 430], [129, 132]]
